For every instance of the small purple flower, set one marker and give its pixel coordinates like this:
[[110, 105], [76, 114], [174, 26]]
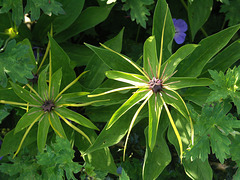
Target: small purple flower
[[180, 29], [119, 170]]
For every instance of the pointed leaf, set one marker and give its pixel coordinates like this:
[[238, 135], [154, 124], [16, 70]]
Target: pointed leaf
[[26, 95], [56, 124], [194, 64], [78, 118], [134, 79], [56, 83], [157, 159], [150, 60], [169, 31], [112, 60], [42, 84], [133, 100], [43, 127], [183, 82], [177, 57], [28, 118], [155, 107]]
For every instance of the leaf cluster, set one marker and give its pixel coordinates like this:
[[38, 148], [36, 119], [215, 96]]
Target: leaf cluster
[[212, 130], [231, 10]]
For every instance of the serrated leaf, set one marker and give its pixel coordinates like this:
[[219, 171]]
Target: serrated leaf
[[49, 7], [231, 11], [15, 63], [212, 129], [138, 10], [225, 86]]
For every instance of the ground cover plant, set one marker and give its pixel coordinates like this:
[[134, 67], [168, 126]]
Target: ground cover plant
[[119, 89]]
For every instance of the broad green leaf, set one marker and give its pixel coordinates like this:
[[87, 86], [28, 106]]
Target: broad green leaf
[[56, 83], [76, 117], [112, 60], [133, 100], [155, 108], [26, 95], [169, 30], [61, 60], [138, 10], [96, 67], [134, 79], [193, 65], [48, 7], [9, 95], [42, 84], [195, 169], [183, 82], [150, 60], [101, 159], [118, 130], [198, 13], [15, 63], [223, 60], [56, 124], [42, 133], [63, 21], [173, 61], [11, 141], [89, 18], [17, 10], [198, 95], [157, 159], [28, 118]]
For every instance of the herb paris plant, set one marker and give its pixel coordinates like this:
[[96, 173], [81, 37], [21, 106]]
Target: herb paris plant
[[156, 86]]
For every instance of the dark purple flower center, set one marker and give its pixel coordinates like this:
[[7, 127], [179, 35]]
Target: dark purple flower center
[[156, 85], [48, 105]]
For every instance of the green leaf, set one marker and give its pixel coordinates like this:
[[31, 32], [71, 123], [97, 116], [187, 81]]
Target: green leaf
[[132, 101], [61, 60], [169, 30], [48, 7], [150, 61], [113, 135], [196, 169], [42, 84], [96, 67], [112, 60], [15, 62], [212, 128], [225, 86], [17, 9], [89, 18], [56, 124], [157, 159], [198, 13], [155, 108], [63, 21], [28, 118], [56, 83], [231, 11], [198, 95], [177, 57], [138, 10], [124, 176], [11, 141], [183, 82], [223, 60], [193, 65], [56, 161], [78, 118], [43, 127], [134, 79], [26, 95]]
